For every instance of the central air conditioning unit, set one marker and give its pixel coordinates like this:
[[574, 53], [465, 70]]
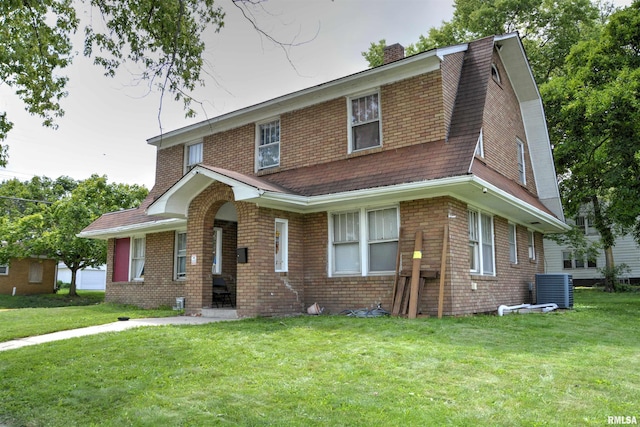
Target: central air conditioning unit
[[554, 288]]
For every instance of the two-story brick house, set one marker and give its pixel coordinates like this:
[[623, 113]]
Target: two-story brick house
[[302, 198]]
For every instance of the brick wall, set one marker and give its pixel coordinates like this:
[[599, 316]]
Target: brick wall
[[18, 277], [409, 116], [159, 287], [502, 125]]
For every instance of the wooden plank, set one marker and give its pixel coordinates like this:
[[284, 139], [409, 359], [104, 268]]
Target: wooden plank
[[404, 306], [397, 299], [397, 276], [443, 266], [415, 276]]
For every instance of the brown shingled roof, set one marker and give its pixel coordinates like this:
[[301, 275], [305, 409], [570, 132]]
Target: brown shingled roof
[[123, 218]]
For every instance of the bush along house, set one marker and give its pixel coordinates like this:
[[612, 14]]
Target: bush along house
[[318, 196]]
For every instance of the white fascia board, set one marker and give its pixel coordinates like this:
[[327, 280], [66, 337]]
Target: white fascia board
[[175, 201], [544, 170], [553, 224], [467, 188], [393, 193], [365, 80], [128, 230]]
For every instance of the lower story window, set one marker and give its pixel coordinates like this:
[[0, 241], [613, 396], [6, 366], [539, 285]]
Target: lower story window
[[216, 267], [364, 241], [35, 272], [481, 245], [137, 258], [572, 260], [181, 255], [128, 259], [4, 270], [281, 245]]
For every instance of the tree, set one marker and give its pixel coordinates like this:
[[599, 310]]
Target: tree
[[547, 28], [52, 213], [594, 116], [164, 37]]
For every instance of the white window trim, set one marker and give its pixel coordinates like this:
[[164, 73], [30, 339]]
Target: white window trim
[[522, 176], [495, 73], [177, 256], [283, 244], [257, 143], [132, 275], [363, 242], [186, 166], [350, 114], [480, 145], [216, 264], [531, 244], [480, 271], [573, 258], [515, 241], [5, 268]]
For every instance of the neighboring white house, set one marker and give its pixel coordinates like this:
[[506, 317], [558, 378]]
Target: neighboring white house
[[585, 272], [94, 279]]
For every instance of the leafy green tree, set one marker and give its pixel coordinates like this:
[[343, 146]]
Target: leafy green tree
[[51, 213], [163, 37], [547, 28], [593, 109]]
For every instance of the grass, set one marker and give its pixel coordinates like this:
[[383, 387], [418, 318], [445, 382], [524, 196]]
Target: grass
[[23, 316], [561, 369]]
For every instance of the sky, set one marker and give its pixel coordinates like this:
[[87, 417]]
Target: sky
[[108, 120]]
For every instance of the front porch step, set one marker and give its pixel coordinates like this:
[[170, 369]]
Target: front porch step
[[220, 313]]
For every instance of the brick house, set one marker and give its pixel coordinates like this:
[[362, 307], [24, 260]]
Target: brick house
[[309, 197], [28, 276]]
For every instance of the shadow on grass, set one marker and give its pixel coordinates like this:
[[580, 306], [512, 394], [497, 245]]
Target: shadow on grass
[[61, 299]]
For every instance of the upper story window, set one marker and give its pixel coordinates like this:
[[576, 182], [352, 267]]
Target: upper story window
[[192, 156], [480, 145], [495, 73], [585, 224], [522, 175], [4, 270], [268, 144], [364, 122]]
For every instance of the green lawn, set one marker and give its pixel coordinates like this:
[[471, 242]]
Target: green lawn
[[23, 316], [565, 368]]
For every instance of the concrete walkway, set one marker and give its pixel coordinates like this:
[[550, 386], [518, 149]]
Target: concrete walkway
[[109, 327]]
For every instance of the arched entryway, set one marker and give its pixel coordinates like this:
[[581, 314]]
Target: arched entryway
[[224, 241], [212, 235]]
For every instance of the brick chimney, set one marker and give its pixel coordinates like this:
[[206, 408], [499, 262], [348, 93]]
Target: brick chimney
[[393, 53]]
